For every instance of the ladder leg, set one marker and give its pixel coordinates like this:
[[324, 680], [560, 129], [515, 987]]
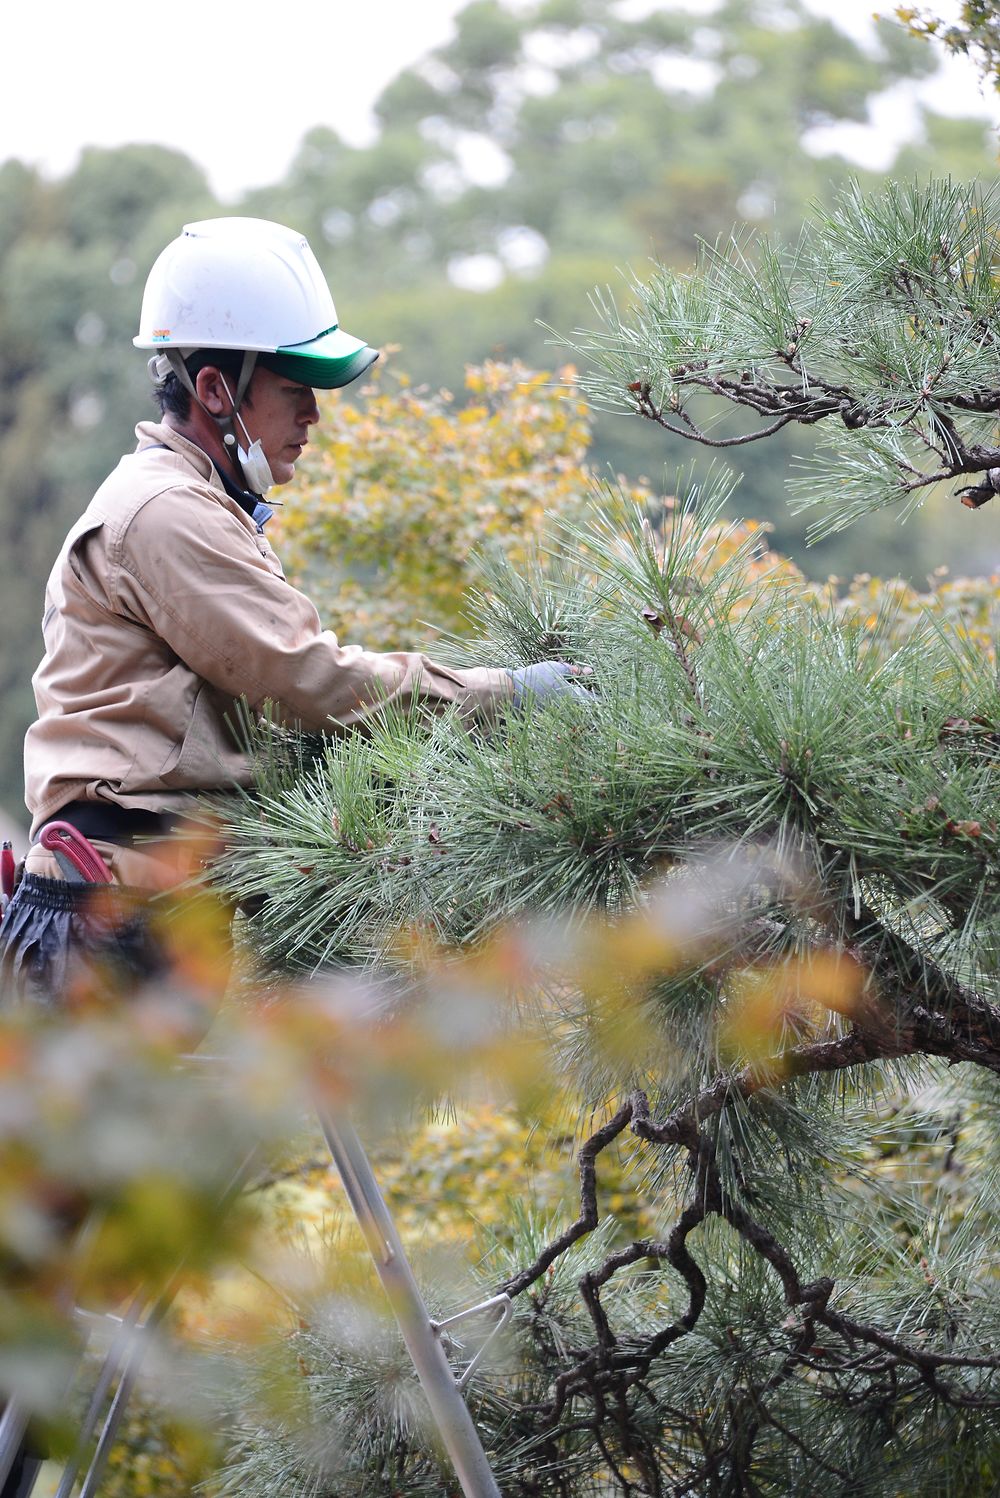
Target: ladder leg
[[127, 1353], [116, 1355], [448, 1407], [116, 1413]]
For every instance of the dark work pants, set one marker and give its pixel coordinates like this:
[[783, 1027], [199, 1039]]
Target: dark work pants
[[54, 935]]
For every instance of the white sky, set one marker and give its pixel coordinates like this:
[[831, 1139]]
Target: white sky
[[236, 86]]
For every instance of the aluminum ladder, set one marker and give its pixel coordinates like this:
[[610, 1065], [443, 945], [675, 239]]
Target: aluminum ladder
[[424, 1337]]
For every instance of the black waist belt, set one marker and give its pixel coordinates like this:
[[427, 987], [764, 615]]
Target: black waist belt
[[110, 823]]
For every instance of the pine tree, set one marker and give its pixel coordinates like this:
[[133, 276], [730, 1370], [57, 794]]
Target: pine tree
[[773, 838], [878, 327]]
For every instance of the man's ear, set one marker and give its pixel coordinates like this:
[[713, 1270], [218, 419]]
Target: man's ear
[[212, 391]]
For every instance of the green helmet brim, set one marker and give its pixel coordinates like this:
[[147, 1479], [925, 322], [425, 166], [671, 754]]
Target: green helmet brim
[[326, 363]]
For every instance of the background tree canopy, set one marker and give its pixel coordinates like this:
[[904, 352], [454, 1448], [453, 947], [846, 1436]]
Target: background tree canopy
[[536, 154]]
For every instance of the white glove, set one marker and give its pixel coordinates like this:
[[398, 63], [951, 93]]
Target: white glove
[[542, 680]]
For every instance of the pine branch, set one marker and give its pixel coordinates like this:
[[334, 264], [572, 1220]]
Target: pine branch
[[879, 325]]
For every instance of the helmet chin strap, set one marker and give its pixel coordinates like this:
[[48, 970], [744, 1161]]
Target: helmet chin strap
[[251, 461]]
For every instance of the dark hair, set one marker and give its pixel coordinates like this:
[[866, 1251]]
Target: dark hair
[[172, 397]]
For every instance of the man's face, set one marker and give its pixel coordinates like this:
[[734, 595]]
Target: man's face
[[279, 413]]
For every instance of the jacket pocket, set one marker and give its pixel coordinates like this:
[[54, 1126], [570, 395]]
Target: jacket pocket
[[207, 756]]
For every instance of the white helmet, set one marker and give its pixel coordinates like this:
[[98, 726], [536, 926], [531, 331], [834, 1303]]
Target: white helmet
[[248, 284]]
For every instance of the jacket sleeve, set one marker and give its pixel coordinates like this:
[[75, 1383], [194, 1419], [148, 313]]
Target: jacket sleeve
[[192, 572]]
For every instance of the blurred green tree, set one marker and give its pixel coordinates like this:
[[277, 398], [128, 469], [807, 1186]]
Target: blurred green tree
[[543, 151]]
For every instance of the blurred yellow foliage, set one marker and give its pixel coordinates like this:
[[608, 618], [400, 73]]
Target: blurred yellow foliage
[[885, 610], [453, 1175], [772, 1005], [447, 1179], [397, 495], [158, 1458]]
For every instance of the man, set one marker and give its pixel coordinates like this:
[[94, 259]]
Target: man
[[167, 606]]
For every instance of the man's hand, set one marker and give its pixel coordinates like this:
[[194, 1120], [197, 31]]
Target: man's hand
[[544, 679]]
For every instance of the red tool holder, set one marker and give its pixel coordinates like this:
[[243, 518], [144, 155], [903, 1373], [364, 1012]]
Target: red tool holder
[[62, 839], [7, 868]]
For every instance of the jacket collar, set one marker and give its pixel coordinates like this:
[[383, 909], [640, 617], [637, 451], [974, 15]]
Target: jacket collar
[[158, 434]]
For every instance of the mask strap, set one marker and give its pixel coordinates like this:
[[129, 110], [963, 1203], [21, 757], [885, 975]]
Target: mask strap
[[225, 423], [230, 437], [253, 464], [246, 370]]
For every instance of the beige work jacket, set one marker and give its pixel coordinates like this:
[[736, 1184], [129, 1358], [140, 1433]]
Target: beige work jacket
[[164, 608]]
